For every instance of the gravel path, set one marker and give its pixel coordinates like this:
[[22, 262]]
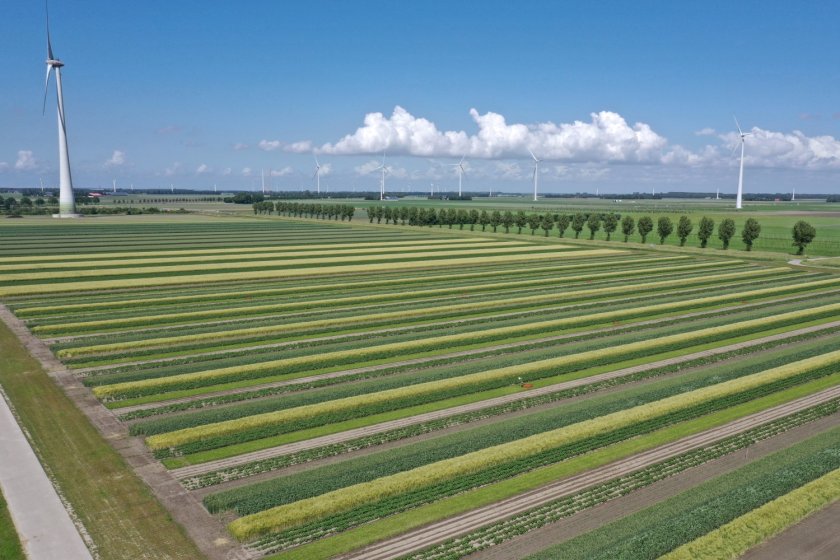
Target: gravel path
[[441, 531], [43, 524], [204, 468]]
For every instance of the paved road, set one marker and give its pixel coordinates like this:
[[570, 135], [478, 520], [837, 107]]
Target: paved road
[[435, 533], [44, 526]]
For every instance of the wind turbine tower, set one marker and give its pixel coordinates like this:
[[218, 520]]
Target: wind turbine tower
[[114, 185], [66, 201], [262, 178], [740, 195], [382, 180], [793, 194], [317, 175], [536, 172], [461, 171]]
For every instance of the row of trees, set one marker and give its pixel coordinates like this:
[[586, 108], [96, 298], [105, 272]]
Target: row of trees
[[593, 222], [306, 210]]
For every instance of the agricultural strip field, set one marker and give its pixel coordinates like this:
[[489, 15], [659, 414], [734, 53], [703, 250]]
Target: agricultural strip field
[[336, 389]]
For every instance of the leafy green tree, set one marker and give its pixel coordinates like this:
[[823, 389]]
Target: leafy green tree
[[704, 232], [726, 230], [593, 224], [803, 234], [474, 216], [645, 227], [750, 232], [534, 222], [26, 201], [462, 218], [664, 227], [387, 214], [495, 219], [443, 217], [507, 220], [484, 219], [578, 221], [563, 221], [628, 226], [547, 223], [521, 220], [610, 224], [684, 227]]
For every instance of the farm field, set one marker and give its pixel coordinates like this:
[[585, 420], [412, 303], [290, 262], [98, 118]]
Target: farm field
[[317, 389]]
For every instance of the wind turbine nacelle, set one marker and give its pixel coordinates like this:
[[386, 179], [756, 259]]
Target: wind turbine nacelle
[[55, 63]]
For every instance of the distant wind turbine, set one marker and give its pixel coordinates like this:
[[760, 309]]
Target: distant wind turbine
[[793, 194], [114, 183], [536, 172], [740, 195], [262, 179], [317, 175], [66, 201], [461, 171], [382, 180]]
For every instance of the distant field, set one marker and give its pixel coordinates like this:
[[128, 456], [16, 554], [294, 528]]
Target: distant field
[[323, 387]]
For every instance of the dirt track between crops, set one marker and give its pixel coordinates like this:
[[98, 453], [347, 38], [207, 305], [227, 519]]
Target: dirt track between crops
[[464, 523], [427, 359], [196, 470], [815, 538], [209, 534]]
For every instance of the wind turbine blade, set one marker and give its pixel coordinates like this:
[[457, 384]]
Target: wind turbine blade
[[532, 154], [49, 43], [737, 125], [462, 159], [46, 88]]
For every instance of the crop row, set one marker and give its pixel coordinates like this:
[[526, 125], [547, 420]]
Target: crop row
[[78, 327], [116, 318], [664, 527], [442, 472], [753, 528], [265, 465], [516, 476], [325, 269], [251, 292], [401, 349], [339, 322], [497, 533], [312, 482], [492, 378]]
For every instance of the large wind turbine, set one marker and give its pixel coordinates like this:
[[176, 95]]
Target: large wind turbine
[[536, 172], [66, 201], [740, 195], [461, 171], [317, 175]]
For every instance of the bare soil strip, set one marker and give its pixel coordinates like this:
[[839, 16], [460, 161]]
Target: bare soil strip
[[204, 468], [209, 533], [441, 531]]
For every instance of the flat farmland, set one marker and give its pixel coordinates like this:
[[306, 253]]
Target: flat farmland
[[337, 390]]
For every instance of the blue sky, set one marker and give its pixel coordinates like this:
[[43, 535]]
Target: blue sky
[[622, 96]]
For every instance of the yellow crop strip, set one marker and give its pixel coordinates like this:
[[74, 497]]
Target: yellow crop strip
[[344, 499], [739, 535], [334, 302], [187, 435], [336, 251], [145, 282]]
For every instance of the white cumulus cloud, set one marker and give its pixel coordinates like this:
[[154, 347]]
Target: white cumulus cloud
[[239, 146], [270, 145], [707, 131], [766, 148], [246, 172], [203, 169], [25, 161], [227, 171], [173, 169], [117, 159], [299, 147], [282, 172], [606, 137]]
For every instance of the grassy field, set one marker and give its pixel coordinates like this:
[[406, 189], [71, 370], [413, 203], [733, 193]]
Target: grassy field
[[323, 385], [10, 548]]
